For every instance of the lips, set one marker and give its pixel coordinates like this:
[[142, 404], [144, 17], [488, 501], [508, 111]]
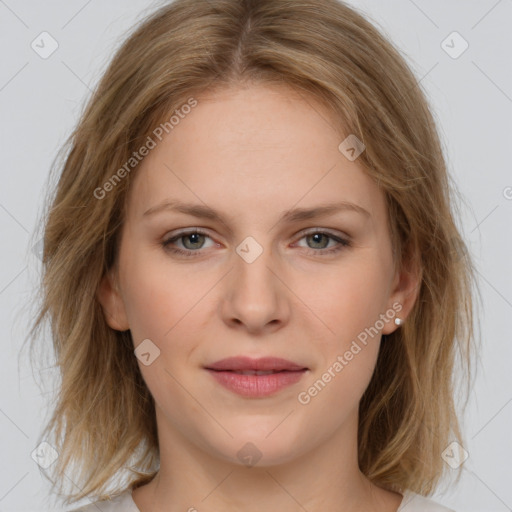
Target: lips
[[246, 364], [256, 378]]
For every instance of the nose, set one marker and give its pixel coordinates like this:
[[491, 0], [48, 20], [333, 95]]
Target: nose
[[256, 297]]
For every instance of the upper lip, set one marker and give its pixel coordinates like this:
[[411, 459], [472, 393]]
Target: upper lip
[[262, 364]]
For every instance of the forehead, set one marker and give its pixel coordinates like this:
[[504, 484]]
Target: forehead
[[253, 148]]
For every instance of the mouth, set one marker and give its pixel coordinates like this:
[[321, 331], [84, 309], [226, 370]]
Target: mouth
[[256, 378], [254, 372]]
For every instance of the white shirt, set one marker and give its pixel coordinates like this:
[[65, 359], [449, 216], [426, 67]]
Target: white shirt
[[123, 502]]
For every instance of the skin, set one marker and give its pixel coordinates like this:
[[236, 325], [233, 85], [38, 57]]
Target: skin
[[251, 153]]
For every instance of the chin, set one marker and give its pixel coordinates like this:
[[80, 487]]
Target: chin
[[260, 446]]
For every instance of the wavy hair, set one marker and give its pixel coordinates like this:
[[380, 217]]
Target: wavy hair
[[104, 416]]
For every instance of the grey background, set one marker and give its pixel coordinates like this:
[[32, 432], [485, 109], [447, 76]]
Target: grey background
[[41, 100]]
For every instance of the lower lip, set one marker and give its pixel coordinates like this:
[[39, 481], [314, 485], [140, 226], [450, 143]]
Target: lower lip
[[256, 386]]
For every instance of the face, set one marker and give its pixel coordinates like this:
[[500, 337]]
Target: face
[[255, 281]]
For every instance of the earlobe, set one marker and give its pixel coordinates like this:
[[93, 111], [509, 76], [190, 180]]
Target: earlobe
[[403, 297], [112, 303]]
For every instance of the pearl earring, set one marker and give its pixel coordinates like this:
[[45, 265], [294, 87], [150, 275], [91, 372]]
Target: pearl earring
[[398, 321]]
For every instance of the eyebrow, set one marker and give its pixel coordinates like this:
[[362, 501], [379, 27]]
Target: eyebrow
[[292, 215]]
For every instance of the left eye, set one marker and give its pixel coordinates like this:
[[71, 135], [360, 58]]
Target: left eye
[[318, 236], [194, 238]]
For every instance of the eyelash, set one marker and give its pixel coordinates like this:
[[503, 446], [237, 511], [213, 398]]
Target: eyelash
[[342, 243]]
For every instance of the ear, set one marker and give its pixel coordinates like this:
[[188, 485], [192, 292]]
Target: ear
[[404, 292], [112, 302]]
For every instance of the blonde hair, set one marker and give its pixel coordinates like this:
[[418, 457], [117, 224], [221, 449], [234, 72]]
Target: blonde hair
[[104, 418]]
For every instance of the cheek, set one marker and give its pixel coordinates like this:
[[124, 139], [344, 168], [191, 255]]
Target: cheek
[[349, 303], [163, 303], [350, 307], [349, 298], [159, 296]]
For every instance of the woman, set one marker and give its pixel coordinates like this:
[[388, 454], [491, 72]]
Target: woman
[[255, 281]]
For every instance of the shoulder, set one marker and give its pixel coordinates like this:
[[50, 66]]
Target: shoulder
[[121, 503], [413, 502]]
